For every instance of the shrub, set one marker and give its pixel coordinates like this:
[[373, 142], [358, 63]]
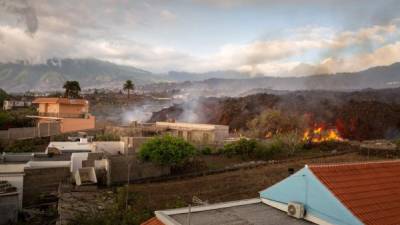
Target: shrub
[[266, 150], [243, 147], [167, 150], [397, 143], [28, 145], [207, 151]]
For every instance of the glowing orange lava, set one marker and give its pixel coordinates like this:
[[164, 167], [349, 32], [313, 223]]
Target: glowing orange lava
[[318, 134]]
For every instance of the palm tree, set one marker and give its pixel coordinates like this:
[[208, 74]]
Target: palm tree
[[129, 86], [72, 89]]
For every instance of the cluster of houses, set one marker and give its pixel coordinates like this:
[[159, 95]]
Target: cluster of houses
[[82, 161], [344, 194]]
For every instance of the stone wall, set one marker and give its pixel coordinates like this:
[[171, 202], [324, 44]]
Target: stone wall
[[43, 181], [118, 169], [8, 208]]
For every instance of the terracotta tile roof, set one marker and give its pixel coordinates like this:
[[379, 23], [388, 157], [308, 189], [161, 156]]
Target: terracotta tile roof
[[153, 221], [60, 101], [371, 191]]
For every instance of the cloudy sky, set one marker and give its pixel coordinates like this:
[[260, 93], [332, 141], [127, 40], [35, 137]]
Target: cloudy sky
[[274, 37]]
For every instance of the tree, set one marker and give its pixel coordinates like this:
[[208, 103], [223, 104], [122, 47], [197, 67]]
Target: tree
[[72, 89], [166, 150], [3, 96], [129, 86], [273, 122]]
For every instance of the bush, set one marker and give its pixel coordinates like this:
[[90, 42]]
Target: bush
[[266, 150], [167, 150], [207, 151], [28, 145], [243, 147], [397, 143]]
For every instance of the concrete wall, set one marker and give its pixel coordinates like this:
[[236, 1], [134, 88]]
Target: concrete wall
[[44, 129], [132, 144], [42, 181], [110, 147], [78, 124], [118, 169], [16, 180], [73, 109], [8, 208]]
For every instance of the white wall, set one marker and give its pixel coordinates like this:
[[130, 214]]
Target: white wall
[[110, 147], [14, 174]]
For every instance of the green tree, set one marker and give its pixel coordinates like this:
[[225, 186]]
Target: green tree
[[129, 86], [72, 89], [3, 96], [167, 150]]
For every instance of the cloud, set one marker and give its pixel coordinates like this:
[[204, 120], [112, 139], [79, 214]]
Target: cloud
[[167, 15], [103, 29], [24, 11]]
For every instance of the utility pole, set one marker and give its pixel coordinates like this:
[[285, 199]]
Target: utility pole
[[127, 185]]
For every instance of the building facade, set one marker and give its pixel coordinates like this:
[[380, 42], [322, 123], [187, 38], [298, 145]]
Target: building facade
[[72, 114]]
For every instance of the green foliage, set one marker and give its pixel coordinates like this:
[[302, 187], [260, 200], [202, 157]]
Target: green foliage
[[207, 151], [129, 86], [5, 118], [28, 145], [397, 143], [72, 89], [250, 148], [16, 118], [243, 147], [273, 122], [3, 96], [106, 137], [167, 150]]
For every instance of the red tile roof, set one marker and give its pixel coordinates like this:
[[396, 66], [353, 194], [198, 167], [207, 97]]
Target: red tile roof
[[153, 221], [60, 101], [371, 191]]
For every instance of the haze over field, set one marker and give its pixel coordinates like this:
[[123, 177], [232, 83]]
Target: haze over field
[[239, 38]]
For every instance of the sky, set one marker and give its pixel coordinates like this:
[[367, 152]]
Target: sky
[[270, 37]]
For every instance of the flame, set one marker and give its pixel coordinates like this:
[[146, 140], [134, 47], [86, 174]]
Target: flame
[[318, 135]]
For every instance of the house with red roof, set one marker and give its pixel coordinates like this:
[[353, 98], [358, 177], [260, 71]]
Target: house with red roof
[[343, 194]]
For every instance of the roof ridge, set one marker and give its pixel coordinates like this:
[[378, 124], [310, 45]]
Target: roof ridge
[[352, 163]]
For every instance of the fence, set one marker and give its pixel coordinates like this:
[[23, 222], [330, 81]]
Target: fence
[[42, 130]]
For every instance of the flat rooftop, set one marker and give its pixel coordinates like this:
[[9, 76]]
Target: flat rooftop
[[256, 213]]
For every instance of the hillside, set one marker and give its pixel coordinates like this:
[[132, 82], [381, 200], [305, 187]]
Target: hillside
[[365, 114], [377, 78], [91, 73]]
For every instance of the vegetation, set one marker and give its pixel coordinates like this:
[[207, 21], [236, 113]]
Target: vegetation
[[106, 137], [167, 150], [3, 96], [16, 118], [273, 122], [129, 86], [72, 89], [251, 148], [28, 145]]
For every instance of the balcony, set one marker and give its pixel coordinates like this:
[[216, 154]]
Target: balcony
[[61, 115]]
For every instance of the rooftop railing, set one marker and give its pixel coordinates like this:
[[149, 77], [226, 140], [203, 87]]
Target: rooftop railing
[[62, 115]]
